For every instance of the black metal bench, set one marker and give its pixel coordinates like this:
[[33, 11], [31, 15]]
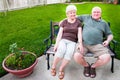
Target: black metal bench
[[49, 45]]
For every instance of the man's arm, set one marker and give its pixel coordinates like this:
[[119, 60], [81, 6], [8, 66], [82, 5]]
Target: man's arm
[[110, 37], [107, 41]]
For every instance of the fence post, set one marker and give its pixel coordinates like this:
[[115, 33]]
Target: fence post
[[5, 7]]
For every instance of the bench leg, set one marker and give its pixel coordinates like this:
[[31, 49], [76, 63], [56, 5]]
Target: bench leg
[[112, 64], [48, 63]]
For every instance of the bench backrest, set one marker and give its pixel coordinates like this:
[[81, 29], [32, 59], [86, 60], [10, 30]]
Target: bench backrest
[[54, 28]]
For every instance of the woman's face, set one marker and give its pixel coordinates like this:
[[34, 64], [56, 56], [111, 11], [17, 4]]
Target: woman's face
[[96, 14], [71, 14]]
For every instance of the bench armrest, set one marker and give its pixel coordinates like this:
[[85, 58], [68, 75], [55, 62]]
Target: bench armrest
[[47, 40], [113, 46], [47, 43]]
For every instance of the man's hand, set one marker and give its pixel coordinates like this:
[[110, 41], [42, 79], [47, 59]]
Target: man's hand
[[105, 43]]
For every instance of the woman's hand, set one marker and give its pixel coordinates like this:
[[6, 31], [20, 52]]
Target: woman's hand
[[81, 48], [55, 47]]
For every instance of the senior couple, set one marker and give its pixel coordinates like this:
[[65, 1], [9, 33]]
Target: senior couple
[[73, 40]]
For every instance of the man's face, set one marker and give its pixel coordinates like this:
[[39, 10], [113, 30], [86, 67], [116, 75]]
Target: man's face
[[96, 13], [71, 14]]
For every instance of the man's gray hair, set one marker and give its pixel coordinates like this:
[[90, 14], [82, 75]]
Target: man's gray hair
[[97, 7]]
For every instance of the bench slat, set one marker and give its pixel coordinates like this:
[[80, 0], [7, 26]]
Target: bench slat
[[50, 51]]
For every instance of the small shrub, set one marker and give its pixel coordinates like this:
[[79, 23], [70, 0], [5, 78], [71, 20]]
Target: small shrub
[[19, 59]]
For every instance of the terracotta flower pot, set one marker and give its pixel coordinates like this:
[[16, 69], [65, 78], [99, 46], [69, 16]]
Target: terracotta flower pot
[[20, 73]]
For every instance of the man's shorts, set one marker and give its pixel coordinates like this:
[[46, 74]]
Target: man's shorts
[[97, 50]]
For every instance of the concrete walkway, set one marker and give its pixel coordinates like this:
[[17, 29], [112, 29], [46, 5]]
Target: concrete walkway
[[72, 72]]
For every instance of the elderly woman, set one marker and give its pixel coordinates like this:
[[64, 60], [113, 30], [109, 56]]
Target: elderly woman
[[69, 34]]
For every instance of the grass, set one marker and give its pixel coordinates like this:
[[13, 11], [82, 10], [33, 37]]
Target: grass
[[29, 27]]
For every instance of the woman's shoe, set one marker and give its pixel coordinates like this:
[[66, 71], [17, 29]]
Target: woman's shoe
[[53, 72], [61, 75]]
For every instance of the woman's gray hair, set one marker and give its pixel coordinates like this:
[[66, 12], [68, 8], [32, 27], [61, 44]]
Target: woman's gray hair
[[71, 7]]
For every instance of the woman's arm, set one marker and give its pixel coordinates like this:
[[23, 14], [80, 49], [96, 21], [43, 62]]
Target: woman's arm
[[59, 36], [80, 39]]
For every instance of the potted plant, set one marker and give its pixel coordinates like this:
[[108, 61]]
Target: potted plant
[[20, 63]]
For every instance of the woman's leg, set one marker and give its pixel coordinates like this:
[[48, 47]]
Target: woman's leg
[[67, 57], [62, 67], [58, 56]]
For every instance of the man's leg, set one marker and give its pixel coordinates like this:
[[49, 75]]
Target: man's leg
[[102, 53], [102, 60], [103, 57], [79, 58]]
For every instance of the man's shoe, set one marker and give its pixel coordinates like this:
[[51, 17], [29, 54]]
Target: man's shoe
[[87, 71], [92, 72]]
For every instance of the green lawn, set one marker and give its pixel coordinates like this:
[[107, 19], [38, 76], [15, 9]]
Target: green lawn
[[28, 27]]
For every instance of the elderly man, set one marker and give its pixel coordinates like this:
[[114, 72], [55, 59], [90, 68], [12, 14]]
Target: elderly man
[[93, 30]]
